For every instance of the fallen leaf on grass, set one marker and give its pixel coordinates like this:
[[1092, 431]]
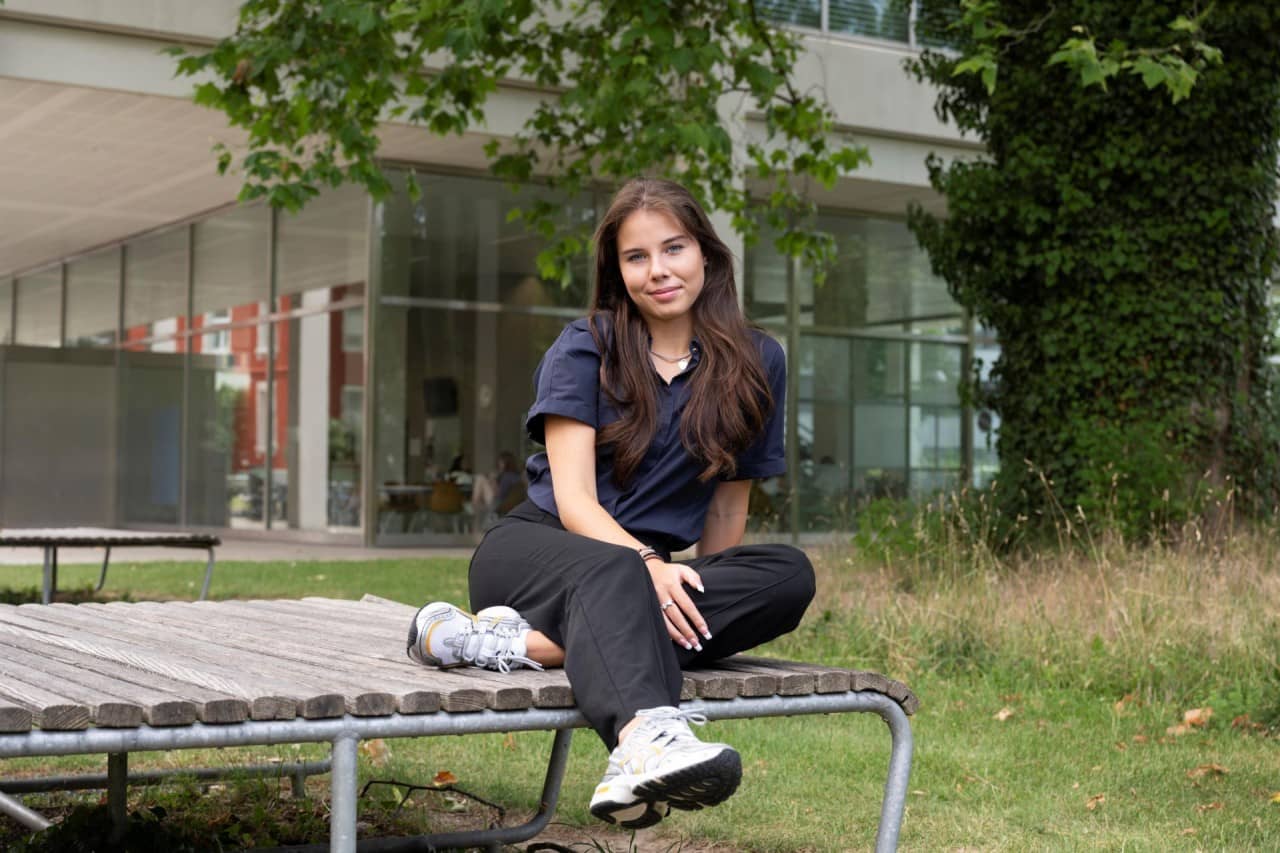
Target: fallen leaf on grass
[[1198, 717], [509, 742], [376, 751], [1123, 704], [1206, 770], [1190, 830], [1121, 745], [1140, 738], [443, 778], [1095, 801], [1208, 807], [1003, 714], [1275, 798], [1243, 723]]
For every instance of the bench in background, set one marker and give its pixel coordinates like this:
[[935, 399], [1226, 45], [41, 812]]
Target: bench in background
[[53, 538]]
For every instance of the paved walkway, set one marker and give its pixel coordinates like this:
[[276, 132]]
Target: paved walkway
[[230, 550]]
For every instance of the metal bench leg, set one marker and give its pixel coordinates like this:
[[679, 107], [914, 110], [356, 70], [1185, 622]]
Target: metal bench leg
[[895, 787], [208, 576], [342, 797], [106, 560], [50, 578], [12, 807], [118, 793]]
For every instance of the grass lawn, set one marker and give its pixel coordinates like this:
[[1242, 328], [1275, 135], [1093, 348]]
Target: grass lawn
[[1051, 702]]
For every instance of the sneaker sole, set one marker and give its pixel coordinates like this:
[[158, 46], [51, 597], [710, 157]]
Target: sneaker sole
[[610, 811], [697, 786], [708, 783]]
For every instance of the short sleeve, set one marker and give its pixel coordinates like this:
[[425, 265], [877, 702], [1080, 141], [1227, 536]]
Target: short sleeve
[[767, 457], [566, 382]]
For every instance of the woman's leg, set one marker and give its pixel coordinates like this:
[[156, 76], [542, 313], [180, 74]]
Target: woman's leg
[[754, 593], [593, 600]]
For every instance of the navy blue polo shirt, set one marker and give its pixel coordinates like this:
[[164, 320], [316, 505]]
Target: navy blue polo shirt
[[664, 505]]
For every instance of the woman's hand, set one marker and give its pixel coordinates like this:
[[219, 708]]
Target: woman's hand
[[684, 622]]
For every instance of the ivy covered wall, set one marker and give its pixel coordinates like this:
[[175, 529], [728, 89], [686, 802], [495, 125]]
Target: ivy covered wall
[[1120, 242]]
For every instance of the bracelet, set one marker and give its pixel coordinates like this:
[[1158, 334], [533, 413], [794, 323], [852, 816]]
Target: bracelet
[[647, 554]]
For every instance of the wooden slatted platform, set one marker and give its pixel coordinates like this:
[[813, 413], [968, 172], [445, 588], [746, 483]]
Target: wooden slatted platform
[[72, 667]]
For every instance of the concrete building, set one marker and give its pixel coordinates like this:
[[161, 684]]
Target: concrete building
[[171, 358]]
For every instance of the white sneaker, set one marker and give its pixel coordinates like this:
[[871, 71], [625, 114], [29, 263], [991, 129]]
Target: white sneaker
[[446, 636], [662, 764], [502, 620]]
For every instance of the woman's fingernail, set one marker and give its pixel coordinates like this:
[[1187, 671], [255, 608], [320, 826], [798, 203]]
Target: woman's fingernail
[[698, 646], [706, 634], [699, 588], [687, 646]]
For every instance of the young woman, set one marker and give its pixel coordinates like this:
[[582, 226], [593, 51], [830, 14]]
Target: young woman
[[657, 411]]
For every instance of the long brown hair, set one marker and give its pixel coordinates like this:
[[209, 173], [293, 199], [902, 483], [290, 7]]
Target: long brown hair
[[729, 393]]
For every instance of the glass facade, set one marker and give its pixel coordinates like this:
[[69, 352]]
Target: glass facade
[[239, 349], [877, 352], [38, 308], [462, 320], [93, 299], [238, 384]]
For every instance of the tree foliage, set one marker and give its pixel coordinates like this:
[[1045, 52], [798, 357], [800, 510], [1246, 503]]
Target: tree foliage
[[630, 87], [1120, 244]]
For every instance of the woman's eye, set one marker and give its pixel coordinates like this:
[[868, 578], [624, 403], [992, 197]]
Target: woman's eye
[[675, 248], [631, 259]]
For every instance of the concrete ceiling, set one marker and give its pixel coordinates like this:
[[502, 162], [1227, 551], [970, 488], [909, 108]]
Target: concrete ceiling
[[81, 167]]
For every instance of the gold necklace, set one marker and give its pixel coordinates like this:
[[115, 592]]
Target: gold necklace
[[680, 361]]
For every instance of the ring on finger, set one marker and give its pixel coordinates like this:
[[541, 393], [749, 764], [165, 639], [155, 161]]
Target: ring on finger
[[668, 603]]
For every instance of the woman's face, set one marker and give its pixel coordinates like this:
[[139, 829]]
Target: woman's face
[[662, 266]]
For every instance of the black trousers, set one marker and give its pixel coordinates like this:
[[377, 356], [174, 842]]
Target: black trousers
[[596, 601]]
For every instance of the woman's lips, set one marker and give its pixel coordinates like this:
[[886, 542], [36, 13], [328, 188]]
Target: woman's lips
[[666, 294]]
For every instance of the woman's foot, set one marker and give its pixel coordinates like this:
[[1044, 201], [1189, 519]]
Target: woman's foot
[[662, 765], [446, 636]]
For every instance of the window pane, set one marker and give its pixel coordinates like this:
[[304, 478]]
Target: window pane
[[456, 243], [803, 13], [155, 291], [320, 375], [451, 403], [151, 408], [231, 261], [324, 245], [39, 310], [881, 277], [886, 19], [226, 451], [6, 312], [93, 299]]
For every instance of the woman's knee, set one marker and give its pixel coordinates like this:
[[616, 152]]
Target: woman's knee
[[796, 585]]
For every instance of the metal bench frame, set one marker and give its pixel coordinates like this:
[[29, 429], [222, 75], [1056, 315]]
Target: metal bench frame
[[345, 733]]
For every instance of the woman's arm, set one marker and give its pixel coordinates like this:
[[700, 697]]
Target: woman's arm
[[571, 453], [726, 517]]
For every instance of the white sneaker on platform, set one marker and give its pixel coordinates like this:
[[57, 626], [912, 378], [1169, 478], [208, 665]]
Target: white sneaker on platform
[[446, 636], [662, 764]]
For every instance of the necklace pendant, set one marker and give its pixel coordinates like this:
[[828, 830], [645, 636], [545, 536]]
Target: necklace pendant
[[682, 364]]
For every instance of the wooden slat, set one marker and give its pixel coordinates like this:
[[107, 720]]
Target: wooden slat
[[785, 681], [167, 707], [381, 643], [372, 687], [188, 669], [50, 710], [14, 718], [826, 679]]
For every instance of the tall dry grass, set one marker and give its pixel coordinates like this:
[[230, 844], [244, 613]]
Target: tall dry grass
[[1187, 622]]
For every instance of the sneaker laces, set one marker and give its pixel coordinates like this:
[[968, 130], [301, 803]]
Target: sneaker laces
[[472, 646], [659, 720]]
